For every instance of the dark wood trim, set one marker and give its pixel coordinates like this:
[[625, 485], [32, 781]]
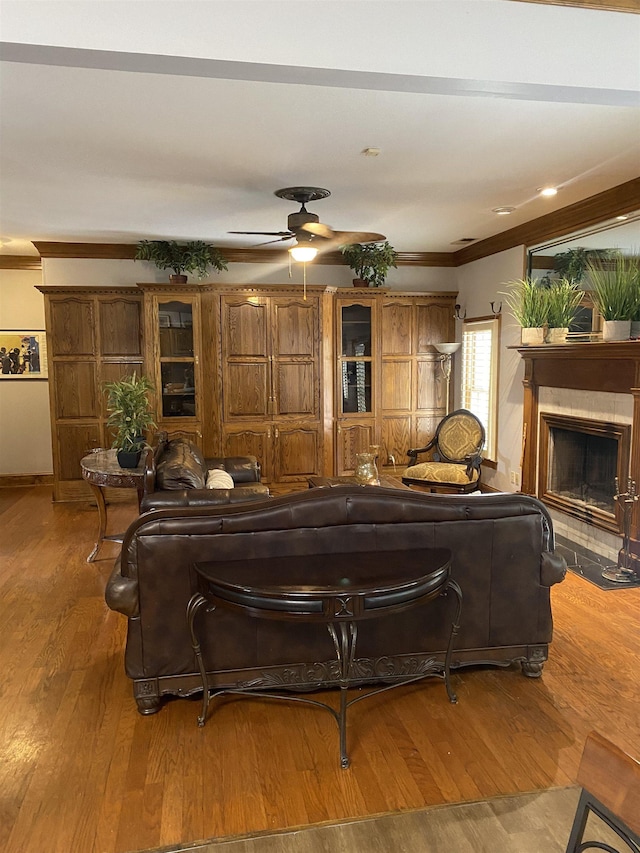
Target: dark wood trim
[[20, 262], [610, 6], [616, 201], [10, 481]]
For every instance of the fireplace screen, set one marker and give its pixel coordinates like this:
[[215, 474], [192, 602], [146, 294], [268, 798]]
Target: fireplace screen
[[579, 462], [583, 467]]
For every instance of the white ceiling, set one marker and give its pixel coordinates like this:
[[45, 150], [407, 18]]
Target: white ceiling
[[178, 120]]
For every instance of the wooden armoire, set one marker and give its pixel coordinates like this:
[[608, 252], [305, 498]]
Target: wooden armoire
[[302, 379]]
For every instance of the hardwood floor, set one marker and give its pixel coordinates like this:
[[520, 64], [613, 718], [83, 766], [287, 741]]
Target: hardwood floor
[[82, 771]]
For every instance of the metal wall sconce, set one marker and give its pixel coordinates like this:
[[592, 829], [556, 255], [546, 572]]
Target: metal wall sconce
[[458, 315], [496, 311], [446, 351]]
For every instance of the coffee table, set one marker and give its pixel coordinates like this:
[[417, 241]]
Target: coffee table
[[387, 481]]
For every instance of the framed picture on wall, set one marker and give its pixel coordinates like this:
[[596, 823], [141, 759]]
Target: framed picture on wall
[[23, 354]]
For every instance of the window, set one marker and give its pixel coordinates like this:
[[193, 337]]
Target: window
[[480, 340]]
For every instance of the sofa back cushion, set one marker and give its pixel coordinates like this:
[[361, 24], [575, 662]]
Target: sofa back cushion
[[181, 466]]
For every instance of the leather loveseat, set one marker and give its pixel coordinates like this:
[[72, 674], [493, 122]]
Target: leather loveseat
[[176, 476], [502, 557]]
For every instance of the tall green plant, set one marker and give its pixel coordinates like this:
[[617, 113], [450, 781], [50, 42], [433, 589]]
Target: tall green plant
[[563, 299], [615, 285], [528, 301], [194, 257], [128, 403]]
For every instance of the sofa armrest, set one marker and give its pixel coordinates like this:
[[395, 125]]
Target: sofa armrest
[[121, 593], [553, 568]]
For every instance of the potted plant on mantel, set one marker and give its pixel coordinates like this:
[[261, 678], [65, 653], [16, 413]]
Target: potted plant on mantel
[[615, 291], [194, 257], [370, 262], [529, 304], [130, 414], [563, 299]]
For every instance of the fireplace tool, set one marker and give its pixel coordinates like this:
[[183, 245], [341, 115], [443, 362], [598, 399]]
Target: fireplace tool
[[624, 572]]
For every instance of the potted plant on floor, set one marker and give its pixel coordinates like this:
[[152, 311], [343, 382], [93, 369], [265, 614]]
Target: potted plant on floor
[[194, 257], [370, 262], [563, 299], [130, 415], [528, 301], [614, 289]]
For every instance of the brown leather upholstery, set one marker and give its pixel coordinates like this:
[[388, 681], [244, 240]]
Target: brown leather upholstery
[[176, 473], [503, 559]]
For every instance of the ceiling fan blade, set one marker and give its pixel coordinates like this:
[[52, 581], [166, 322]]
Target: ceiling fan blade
[[279, 240], [319, 230], [283, 234], [345, 238]]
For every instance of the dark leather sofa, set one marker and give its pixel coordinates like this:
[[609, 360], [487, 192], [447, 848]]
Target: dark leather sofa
[[503, 559], [176, 475]]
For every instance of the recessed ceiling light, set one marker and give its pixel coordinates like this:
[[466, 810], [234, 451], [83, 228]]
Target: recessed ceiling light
[[503, 211], [621, 218], [547, 191], [370, 152]]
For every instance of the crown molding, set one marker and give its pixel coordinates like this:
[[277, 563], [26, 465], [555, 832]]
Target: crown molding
[[625, 198], [610, 6], [20, 262]]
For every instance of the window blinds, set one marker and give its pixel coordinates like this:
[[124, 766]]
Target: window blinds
[[480, 375]]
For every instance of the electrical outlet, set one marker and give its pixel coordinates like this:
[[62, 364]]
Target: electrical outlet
[[515, 478]]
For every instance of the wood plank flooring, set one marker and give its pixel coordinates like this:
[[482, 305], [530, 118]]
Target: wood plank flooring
[[82, 771]]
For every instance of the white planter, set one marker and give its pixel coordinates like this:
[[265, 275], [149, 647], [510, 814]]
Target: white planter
[[534, 336], [635, 328], [616, 330], [557, 336]]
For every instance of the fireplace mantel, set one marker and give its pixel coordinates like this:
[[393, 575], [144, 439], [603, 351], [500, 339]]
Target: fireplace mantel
[[590, 366]]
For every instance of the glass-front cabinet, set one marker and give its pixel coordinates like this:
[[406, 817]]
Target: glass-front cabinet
[[175, 320], [355, 404]]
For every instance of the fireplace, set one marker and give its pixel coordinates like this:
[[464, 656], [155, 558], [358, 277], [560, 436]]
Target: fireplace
[[580, 460]]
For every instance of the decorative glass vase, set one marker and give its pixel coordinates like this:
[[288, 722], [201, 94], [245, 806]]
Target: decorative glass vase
[[366, 472]]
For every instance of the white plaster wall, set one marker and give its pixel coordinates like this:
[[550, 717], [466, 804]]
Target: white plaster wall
[[25, 426], [479, 284]]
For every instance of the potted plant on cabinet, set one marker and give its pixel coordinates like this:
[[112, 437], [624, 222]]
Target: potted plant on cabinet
[[130, 414], [528, 301], [194, 257], [370, 262], [615, 284], [563, 299]]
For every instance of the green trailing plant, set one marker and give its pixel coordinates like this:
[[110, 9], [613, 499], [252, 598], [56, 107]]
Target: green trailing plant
[[130, 411], [563, 299], [615, 285], [371, 261], [528, 301], [194, 257]]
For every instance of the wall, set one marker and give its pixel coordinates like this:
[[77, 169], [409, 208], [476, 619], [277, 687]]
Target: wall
[[479, 284], [25, 433], [25, 426]]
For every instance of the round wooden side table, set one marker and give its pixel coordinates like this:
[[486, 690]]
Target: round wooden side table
[[101, 470]]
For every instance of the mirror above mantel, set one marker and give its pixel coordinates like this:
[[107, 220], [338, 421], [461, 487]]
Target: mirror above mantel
[[621, 233]]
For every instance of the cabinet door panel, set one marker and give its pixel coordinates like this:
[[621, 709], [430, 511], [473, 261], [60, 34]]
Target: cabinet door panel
[[425, 430], [74, 329], [435, 325], [431, 385], [297, 453], [75, 390], [396, 329], [296, 391], [396, 440], [396, 385], [74, 442], [252, 441], [120, 327], [113, 371], [245, 329], [352, 439], [246, 390], [295, 328]]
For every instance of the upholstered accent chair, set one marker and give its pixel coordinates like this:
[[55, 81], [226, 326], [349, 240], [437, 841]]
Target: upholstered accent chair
[[454, 456]]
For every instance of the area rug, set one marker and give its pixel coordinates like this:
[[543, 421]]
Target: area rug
[[589, 565], [538, 822]]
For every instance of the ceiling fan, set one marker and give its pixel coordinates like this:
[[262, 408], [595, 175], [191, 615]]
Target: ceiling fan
[[309, 233]]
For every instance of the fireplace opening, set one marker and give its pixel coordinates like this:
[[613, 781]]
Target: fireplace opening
[[579, 462]]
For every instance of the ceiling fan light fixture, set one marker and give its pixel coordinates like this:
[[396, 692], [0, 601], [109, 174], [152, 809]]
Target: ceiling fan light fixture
[[303, 254]]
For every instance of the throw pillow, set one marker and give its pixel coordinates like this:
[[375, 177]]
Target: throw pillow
[[219, 479]]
